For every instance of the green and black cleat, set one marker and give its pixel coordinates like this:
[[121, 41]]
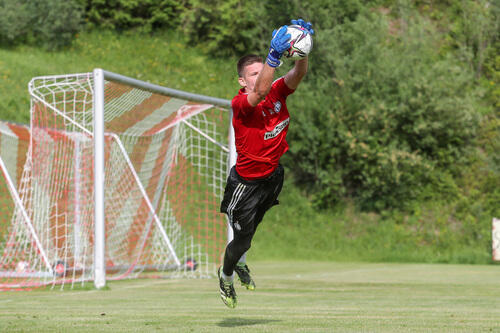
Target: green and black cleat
[[244, 275], [227, 293]]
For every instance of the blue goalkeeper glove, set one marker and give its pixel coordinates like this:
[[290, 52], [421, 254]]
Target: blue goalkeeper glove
[[305, 25], [279, 44]]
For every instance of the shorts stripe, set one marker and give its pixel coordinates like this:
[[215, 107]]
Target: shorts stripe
[[237, 194]]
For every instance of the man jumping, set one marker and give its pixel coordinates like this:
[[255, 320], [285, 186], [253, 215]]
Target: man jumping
[[260, 121]]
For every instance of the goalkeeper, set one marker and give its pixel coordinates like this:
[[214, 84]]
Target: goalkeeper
[[260, 121]]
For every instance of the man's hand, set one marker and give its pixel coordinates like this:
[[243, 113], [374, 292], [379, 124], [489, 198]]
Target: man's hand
[[279, 44], [305, 25]]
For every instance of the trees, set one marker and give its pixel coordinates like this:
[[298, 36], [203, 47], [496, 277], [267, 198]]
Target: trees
[[384, 115], [397, 100], [52, 23]]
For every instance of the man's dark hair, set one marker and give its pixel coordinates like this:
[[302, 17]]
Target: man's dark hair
[[247, 60]]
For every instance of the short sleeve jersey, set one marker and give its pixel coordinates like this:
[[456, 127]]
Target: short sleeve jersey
[[260, 131]]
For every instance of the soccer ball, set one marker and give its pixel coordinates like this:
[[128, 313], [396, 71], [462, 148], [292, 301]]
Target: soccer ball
[[301, 42], [22, 266]]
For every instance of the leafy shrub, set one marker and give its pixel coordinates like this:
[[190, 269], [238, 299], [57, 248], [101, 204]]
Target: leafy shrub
[[52, 23], [14, 21], [383, 115], [55, 22], [148, 15], [236, 27], [222, 27], [475, 33]]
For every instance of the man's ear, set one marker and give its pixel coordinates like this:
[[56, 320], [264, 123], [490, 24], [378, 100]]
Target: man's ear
[[242, 82]]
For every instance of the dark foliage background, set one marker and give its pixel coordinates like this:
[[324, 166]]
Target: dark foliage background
[[401, 104]]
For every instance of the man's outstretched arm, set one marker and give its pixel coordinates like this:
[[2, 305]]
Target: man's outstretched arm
[[262, 85], [295, 75], [279, 44]]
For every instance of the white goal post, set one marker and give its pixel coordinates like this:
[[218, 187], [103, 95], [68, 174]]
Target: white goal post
[[121, 178], [495, 239]]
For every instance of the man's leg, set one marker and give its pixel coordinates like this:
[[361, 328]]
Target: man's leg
[[231, 260], [269, 193], [243, 259], [226, 287], [241, 267], [244, 226], [232, 194], [234, 250], [245, 203], [240, 204]]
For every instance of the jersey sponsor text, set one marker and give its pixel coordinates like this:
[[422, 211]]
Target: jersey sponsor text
[[277, 130]]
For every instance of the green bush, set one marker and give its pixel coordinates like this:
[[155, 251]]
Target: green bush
[[473, 35], [51, 23], [14, 21], [222, 27], [236, 27], [148, 15], [55, 22], [384, 118]]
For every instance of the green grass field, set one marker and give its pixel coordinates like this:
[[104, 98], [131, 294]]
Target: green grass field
[[290, 297]]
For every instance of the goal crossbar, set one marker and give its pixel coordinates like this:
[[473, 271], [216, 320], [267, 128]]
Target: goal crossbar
[[224, 103]]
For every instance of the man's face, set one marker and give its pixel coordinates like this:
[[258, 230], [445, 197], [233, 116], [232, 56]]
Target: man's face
[[249, 77]]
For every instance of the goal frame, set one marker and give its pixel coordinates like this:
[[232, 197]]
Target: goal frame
[[99, 76], [113, 178]]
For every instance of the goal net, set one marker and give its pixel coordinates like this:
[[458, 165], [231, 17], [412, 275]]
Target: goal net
[[165, 163]]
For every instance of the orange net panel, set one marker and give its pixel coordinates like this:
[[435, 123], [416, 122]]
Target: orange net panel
[[165, 168]]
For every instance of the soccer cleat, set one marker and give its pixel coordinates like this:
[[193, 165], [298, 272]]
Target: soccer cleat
[[244, 275], [227, 293]]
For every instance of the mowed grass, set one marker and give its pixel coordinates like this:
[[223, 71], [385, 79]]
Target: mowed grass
[[290, 297]]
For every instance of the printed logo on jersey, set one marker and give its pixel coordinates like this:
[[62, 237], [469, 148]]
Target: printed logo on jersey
[[277, 130], [277, 106]]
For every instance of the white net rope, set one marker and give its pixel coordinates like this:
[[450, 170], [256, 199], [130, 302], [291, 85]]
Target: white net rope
[[165, 168]]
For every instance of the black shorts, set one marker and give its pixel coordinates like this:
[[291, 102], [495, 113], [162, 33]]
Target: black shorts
[[246, 201]]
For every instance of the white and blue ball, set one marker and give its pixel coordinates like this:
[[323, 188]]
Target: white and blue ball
[[301, 42]]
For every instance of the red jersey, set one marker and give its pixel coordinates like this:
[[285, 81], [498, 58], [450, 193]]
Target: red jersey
[[260, 131]]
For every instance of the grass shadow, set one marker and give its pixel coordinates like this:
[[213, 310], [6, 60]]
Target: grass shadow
[[235, 322]]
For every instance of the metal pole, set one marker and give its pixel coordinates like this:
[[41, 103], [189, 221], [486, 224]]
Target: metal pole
[[76, 174], [99, 237], [167, 91], [231, 162]]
